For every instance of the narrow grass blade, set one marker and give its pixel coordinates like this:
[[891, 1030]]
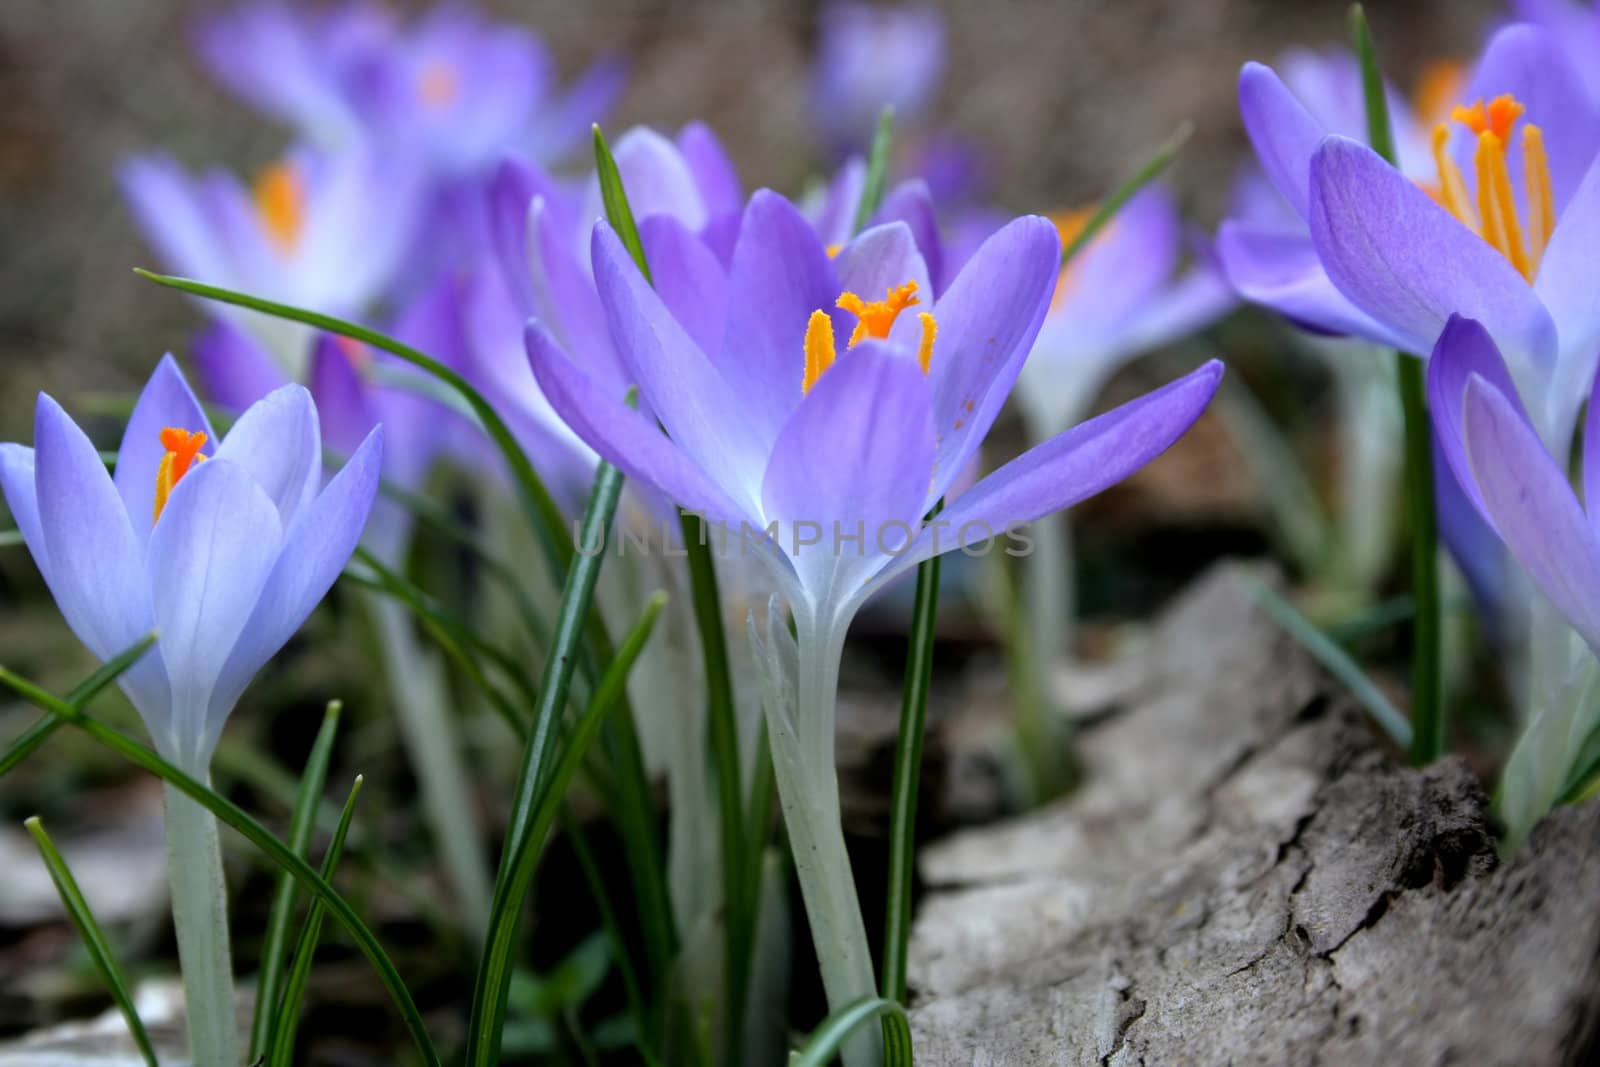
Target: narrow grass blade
[[281, 1053], [94, 939], [11, 538], [275, 945], [520, 857], [826, 1041], [907, 778], [82, 693], [541, 508], [618, 211], [256, 834], [877, 171], [1335, 661], [1429, 728], [1140, 178]]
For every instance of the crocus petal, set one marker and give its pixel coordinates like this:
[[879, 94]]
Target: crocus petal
[[564, 294], [1533, 508], [856, 454], [657, 178], [691, 282], [235, 371], [558, 130], [987, 323], [713, 171], [17, 486], [779, 276], [1464, 351], [1124, 267], [910, 202], [315, 551], [279, 443], [1283, 132], [168, 211], [1194, 301], [683, 389], [94, 554], [1566, 286], [623, 436], [1279, 268], [836, 215], [166, 401], [1409, 264], [345, 414], [209, 557], [1075, 465]]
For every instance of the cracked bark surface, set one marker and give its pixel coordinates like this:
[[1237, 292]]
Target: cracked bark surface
[[1247, 877]]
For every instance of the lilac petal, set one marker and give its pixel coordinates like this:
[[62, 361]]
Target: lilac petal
[[858, 452], [779, 276], [714, 172], [1533, 508], [279, 443], [1279, 268], [910, 202], [165, 402], [1465, 351], [1077, 464], [235, 371], [1283, 132], [1124, 267], [987, 323], [1565, 284], [513, 188], [1473, 544], [1408, 263], [564, 295], [315, 551], [1197, 299], [691, 282], [17, 488], [623, 436], [837, 215], [209, 557], [657, 178], [168, 211], [559, 130], [344, 412], [94, 554]]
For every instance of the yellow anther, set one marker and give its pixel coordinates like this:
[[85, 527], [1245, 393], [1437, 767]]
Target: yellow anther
[[1541, 201], [874, 319], [280, 202], [833, 250], [930, 330], [819, 349], [183, 451], [1452, 187]]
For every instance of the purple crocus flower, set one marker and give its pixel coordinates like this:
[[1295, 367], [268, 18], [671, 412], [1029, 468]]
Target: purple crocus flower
[[1123, 295], [453, 88], [325, 232], [1488, 438], [789, 398], [1505, 237], [870, 57], [223, 546]]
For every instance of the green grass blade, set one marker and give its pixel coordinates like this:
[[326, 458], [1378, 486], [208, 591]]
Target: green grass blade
[[1335, 660], [1429, 728], [256, 834], [294, 991], [1140, 178], [82, 693], [11, 538], [907, 778], [94, 939], [519, 856], [877, 171], [826, 1041], [618, 211], [275, 945], [540, 507]]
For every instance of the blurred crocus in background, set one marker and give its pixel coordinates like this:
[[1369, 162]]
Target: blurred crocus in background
[[870, 57], [222, 547]]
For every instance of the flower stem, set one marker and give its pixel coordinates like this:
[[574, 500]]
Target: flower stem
[[1048, 595], [200, 915], [808, 788], [1427, 710]]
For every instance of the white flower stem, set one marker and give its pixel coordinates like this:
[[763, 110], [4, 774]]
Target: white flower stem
[[200, 916], [421, 705], [808, 788]]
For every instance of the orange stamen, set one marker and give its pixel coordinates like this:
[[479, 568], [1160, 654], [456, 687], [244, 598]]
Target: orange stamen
[[1440, 83], [930, 330], [819, 349], [1541, 200], [1495, 217], [280, 201], [874, 319], [183, 451]]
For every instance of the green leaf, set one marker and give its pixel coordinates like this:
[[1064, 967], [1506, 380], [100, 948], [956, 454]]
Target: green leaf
[[84, 692], [256, 834], [11, 538], [276, 943], [540, 507], [1140, 178], [601, 892], [1379, 134], [618, 212], [1335, 660], [294, 991], [829, 1038], [907, 776], [94, 939], [877, 171]]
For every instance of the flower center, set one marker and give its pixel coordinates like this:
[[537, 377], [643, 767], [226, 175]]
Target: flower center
[[873, 319], [438, 85], [1494, 215], [281, 204], [183, 452]]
